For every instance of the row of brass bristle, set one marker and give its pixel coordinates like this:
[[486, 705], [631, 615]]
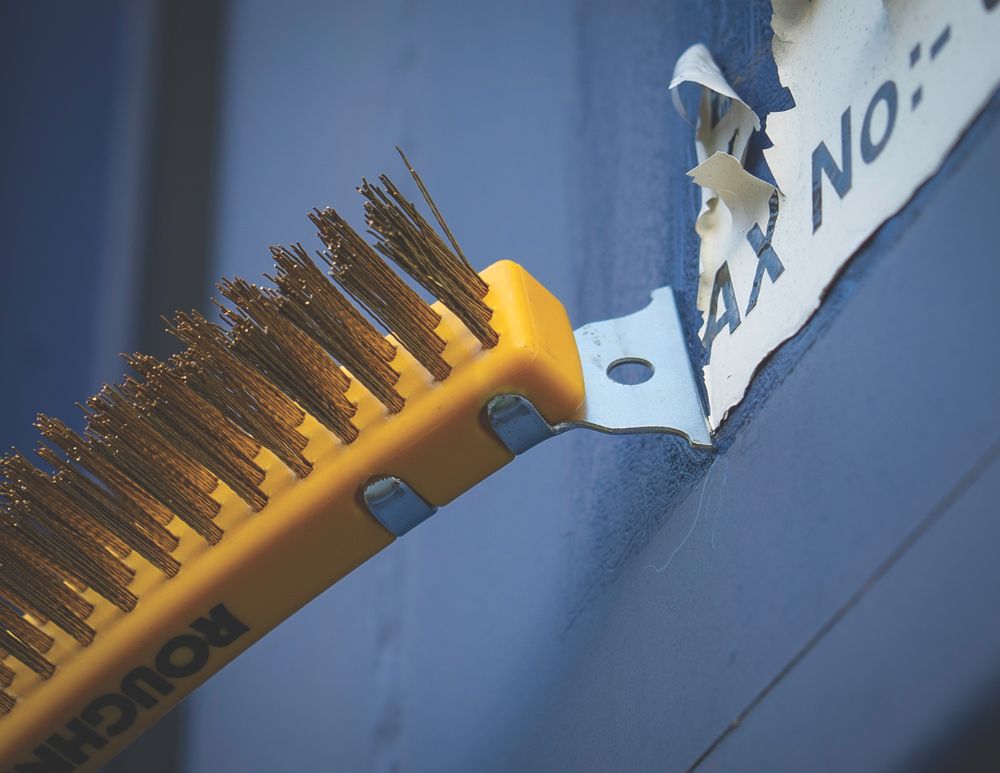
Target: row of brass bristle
[[156, 446]]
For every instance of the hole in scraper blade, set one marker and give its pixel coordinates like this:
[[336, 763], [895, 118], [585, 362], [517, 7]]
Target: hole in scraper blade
[[630, 371]]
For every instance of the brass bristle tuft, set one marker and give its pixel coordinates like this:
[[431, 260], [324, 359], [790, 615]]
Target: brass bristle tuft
[[50, 530], [413, 245], [6, 672], [239, 391], [268, 341], [7, 702], [484, 288], [30, 657], [316, 307], [128, 511], [382, 293], [409, 241], [197, 428], [31, 579], [121, 434], [34, 637]]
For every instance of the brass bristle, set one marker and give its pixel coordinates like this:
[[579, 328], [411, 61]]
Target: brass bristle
[[7, 673], [197, 428], [413, 245], [268, 341], [31, 635], [44, 594], [149, 512], [376, 287], [33, 493], [30, 657], [116, 504], [483, 287], [120, 433], [7, 702], [29, 582], [50, 530], [316, 307], [239, 391], [12, 599]]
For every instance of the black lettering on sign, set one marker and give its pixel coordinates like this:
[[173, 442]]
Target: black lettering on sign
[[112, 714], [940, 41], [723, 286], [839, 176], [767, 258], [886, 95]]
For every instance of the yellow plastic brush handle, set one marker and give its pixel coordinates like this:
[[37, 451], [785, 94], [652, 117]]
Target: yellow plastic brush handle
[[311, 533]]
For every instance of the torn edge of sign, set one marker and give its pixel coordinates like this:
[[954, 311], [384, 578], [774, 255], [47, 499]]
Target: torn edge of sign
[[733, 201]]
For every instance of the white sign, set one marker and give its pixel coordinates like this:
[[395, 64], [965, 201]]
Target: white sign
[[883, 89]]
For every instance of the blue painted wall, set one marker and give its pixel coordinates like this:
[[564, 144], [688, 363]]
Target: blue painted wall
[[818, 594], [61, 77]]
